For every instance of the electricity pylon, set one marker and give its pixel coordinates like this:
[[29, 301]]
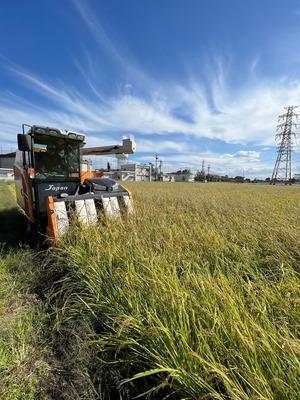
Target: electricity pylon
[[283, 165]]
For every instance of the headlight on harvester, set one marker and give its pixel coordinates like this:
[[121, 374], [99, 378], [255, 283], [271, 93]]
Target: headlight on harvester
[[76, 136]]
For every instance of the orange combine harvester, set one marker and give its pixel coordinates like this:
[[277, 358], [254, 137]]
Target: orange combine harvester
[[54, 185]]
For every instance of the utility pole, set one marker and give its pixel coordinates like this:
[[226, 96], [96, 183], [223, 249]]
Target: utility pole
[[156, 159], [160, 166], [150, 170], [202, 177], [282, 169]]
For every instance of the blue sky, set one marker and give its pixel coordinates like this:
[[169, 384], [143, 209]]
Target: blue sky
[[192, 80]]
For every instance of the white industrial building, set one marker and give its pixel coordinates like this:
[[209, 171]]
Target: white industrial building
[[130, 172], [145, 172]]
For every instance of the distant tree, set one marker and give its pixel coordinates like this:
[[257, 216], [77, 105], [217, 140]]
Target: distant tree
[[226, 178], [200, 176], [154, 172], [239, 179]]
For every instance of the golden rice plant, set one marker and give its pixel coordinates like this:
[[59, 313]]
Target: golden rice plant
[[195, 297]]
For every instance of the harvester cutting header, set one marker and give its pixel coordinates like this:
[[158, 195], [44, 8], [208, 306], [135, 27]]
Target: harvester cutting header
[[54, 185]]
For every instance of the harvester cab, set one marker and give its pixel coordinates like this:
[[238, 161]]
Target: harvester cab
[[54, 186]]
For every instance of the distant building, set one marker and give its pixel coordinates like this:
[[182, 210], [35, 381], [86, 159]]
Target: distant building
[[7, 160], [297, 177], [181, 176], [239, 179], [146, 173], [131, 172], [6, 166], [6, 174]]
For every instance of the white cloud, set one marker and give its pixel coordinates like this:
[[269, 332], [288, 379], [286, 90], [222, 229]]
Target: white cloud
[[162, 146], [232, 166], [251, 155]]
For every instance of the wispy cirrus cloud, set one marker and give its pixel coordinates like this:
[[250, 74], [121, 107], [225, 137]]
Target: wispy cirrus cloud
[[254, 64], [241, 117], [96, 29], [248, 115]]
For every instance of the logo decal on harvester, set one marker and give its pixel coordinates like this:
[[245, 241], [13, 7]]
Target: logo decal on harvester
[[57, 188]]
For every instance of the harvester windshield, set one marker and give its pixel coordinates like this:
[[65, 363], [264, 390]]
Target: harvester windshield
[[57, 159]]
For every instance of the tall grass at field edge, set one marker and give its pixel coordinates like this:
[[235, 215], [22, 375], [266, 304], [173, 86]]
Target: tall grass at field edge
[[24, 358]]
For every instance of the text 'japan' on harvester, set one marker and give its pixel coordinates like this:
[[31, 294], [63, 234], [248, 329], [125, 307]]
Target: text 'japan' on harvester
[[54, 184]]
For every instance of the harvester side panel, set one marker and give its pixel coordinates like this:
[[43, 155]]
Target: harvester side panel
[[24, 191]]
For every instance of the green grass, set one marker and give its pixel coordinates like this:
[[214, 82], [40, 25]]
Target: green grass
[[24, 368], [23, 362], [197, 297]]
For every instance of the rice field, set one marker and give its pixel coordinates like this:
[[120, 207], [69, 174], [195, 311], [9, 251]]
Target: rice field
[[194, 297]]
